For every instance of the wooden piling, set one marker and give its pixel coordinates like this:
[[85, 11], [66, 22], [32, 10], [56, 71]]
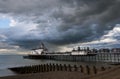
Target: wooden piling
[[69, 68], [60, 67], [53, 67], [50, 67], [87, 69], [44, 67], [81, 69], [47, 68], [75, 68], [57, 67], [94, 70], [102, 68], [65, 67], [42, 70]]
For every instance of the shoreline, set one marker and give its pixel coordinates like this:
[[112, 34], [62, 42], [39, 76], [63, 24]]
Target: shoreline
[[112, 73], [6, 72], [109, 74], [48, 75]]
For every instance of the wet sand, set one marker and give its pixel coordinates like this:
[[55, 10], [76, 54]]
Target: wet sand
[[113, 73], [48, 75]]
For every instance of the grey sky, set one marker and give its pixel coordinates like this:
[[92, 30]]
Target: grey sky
[[59, 22]]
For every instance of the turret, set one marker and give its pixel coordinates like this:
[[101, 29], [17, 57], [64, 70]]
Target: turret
[[79, 49], [42, 45]]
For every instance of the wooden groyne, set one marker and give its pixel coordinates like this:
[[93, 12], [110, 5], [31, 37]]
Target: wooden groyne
[[86, 69]]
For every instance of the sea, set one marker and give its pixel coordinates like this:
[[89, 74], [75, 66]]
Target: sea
[[10, 61]]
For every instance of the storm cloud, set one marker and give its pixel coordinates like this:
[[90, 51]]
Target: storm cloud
[[59, 22]]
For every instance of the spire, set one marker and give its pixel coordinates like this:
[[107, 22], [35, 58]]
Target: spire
[[42, 45]]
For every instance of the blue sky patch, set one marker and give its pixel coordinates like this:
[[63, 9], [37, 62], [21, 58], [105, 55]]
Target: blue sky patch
[[4, 23]]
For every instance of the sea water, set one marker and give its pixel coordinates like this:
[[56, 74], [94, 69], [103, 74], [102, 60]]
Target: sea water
[[9, 61]]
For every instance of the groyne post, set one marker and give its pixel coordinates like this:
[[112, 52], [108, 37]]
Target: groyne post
[[102, 68], [69, 68], [53, 67], [94, 70], [35, 70], [75, 68], [50, 67], [39, 68], [47, 68], [27, 69], [30, 69], [20, 70], [87, 69], [57, 67], [65, 67], [61, 68], [42, 68], [81, 69]]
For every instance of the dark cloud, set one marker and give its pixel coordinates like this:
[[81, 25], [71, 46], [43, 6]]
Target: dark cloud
[[60, 22]]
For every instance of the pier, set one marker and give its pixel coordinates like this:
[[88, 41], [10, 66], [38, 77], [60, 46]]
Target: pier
[[100, 57], [80, 54]]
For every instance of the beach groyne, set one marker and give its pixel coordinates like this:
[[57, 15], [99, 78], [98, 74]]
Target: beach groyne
[[86, 69]]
